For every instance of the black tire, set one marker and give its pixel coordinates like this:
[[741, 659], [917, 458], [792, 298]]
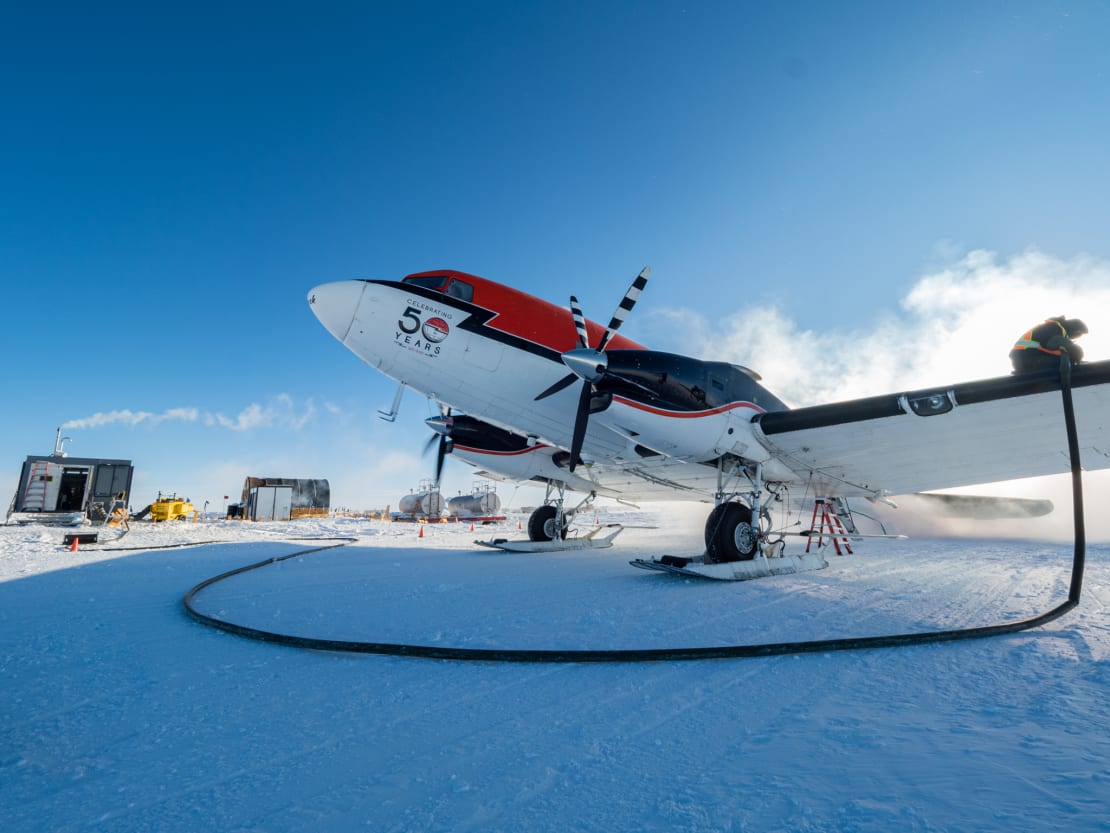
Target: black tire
[[711, 524], [729, 535], [541, 525]]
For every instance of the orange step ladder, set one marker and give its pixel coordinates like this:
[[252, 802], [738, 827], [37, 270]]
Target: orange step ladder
[[826, 521]]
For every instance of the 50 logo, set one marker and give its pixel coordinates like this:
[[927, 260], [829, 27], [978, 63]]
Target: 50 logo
[[421, 334]]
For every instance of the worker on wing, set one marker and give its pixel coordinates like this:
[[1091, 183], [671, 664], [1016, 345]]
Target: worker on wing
[[1042, 346]]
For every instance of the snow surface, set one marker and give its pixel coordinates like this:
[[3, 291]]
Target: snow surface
[[119, 713]]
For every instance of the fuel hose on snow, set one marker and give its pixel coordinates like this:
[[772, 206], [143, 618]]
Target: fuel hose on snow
[[673, 654]]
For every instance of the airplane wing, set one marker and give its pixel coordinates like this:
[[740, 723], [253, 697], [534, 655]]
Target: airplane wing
[[977, 432]]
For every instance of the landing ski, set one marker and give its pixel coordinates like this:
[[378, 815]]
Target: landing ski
[[758, 567], [590, 541]]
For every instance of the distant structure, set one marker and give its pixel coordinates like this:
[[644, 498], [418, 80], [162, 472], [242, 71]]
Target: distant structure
[[285, 498], [482, 502], [426, 503], [63, 490]]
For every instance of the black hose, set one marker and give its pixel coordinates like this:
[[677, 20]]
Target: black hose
[[1080, 532], [671, 654]]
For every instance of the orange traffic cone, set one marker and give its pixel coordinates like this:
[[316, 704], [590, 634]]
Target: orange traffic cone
[[73, 545], [421, 535], [472, 527]]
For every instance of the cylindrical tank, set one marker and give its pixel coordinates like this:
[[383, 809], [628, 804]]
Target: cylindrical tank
[[422, 503], [479, 504]]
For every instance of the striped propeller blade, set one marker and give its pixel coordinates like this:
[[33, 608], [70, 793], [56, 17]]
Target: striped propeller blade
[[579, 322], [626, 305]]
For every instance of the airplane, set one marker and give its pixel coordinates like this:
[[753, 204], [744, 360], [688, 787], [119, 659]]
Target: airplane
[[531, 391]]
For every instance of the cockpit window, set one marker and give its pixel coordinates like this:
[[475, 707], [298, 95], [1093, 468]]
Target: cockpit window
[[434, 282], [461, 290], [445, 284]]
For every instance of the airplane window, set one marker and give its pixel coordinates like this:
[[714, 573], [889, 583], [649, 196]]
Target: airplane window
[[460, 289], [445, 284], [435, 282]]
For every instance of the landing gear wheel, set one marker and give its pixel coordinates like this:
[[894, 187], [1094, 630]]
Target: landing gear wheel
[[729, 534], [541, 525]]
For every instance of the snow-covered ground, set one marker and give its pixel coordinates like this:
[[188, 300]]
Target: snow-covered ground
[[119, 713]]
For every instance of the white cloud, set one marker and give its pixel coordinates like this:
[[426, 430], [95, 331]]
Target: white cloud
[[253, 416], [133, 418], [954, 325], [281, 412]]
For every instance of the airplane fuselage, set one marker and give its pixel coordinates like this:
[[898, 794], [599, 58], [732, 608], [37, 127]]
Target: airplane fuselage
[[487, 350]]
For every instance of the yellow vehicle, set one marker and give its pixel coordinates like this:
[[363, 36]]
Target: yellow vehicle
[[171, 508]]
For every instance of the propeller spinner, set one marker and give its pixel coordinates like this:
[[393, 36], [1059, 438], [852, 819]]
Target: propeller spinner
[[590, 364]]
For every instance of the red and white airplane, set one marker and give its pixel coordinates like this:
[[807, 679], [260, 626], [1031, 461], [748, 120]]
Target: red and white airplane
[[531, 391]]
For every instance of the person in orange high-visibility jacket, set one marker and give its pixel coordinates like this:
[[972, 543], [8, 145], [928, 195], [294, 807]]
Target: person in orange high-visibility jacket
[[1042, 346]]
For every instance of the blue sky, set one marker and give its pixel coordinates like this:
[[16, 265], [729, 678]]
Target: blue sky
[[802, 176]]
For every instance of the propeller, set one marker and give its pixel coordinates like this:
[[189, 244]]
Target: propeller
[[590, 364], [442, 439]]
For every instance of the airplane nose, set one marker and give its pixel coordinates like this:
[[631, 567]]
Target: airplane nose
[[335, 305]]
